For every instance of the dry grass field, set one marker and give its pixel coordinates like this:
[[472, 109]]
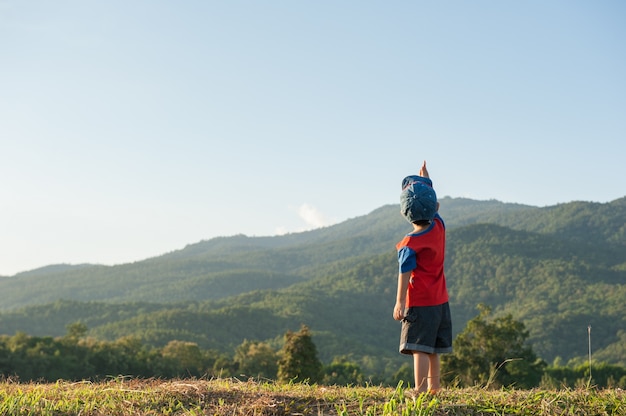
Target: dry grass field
[[125, 396]]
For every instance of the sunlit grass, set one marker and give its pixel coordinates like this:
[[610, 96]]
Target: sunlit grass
[[124, 396]]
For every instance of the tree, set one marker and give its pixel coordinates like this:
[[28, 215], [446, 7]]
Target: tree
[[186, 355], [343, 372], [75, 331], [256, 359], [404, 374], [493, 352], [298, 359]]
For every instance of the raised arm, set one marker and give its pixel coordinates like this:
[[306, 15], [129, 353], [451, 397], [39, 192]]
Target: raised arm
[[424, 171]]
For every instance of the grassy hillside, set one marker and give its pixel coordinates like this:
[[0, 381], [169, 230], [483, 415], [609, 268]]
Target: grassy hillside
[[558, 269]]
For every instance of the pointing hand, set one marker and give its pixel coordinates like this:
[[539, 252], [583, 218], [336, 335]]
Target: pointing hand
[[424, 171]]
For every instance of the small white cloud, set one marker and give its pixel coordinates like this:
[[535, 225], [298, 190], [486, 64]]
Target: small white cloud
[[313, 217], [281, 230]]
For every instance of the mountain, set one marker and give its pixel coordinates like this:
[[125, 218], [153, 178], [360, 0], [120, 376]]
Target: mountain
[[558, 269], [213, 269]]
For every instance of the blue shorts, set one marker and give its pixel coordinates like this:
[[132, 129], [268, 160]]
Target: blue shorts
[[427, 329]]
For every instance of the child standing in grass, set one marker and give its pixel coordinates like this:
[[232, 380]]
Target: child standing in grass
[[422, 297]]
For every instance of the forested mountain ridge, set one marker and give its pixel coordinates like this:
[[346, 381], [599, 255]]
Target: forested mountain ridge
[[209, 269], [558, 269]]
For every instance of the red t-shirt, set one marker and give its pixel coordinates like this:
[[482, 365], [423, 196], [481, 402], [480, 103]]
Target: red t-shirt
[[423, 254]]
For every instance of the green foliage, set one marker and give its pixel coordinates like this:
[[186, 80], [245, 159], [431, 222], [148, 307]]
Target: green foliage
[[30, 358], [75, 331], [404, 375], [602, 375], [187, 356], [492, 352], [343, 372], [298, 358], [256, 359], [71, 358]]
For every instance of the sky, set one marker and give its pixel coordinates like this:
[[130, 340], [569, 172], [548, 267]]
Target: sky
[[129, 129]]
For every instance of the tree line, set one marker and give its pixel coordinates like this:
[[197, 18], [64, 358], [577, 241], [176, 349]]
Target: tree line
[[75, 357], [490, 352]]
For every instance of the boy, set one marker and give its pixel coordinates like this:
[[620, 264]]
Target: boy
[[422, 297]]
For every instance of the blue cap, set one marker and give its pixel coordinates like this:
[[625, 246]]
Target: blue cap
[[418, 200]]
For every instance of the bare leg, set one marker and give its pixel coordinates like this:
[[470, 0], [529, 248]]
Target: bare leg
[[421, 364], [433, 373]]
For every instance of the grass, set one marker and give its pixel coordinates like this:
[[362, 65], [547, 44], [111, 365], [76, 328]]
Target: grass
[[123, 396]]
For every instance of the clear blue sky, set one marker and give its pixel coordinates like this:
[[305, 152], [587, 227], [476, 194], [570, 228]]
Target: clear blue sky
[[132, 128]]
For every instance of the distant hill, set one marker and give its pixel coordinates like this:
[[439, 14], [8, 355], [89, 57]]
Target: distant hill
[[558, 269], [197, 271]]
